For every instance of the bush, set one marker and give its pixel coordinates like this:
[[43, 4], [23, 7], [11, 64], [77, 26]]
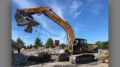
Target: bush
[[44, 56]]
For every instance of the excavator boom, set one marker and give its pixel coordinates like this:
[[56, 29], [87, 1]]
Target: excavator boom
[[47, 12]]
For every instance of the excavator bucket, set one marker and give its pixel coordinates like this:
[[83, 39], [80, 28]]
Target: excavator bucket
[[20, 21], [23, 19], [28, 28]]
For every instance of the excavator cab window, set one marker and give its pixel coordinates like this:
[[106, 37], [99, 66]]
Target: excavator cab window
[[81, 42], [85, 42], [76, 42]]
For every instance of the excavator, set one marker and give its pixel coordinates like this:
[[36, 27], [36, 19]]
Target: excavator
[[77, 48]]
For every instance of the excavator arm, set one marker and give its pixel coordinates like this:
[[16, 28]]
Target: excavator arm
[[27, 14]]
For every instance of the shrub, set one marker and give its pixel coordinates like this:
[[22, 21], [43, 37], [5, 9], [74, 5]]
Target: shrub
[[44, 56]]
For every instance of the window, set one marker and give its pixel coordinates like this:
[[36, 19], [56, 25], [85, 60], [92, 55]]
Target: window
[[77, 41], [82, 42], [85, 42]]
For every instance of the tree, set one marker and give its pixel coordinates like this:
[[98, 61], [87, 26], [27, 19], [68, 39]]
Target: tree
[[63, 45], [102, 45], [20, 42], [49, 43], [105, 45], [37, 42], [98, 43]]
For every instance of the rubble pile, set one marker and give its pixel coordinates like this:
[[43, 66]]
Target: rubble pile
[[34, 52], [100, 53], [21, 59]]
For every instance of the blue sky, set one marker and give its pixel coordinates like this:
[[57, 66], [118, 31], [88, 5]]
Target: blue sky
[[88, 18]]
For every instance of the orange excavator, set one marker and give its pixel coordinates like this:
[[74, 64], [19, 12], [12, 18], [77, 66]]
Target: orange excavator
[[77, 48]]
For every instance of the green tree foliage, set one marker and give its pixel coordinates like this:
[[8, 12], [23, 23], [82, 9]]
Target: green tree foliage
[[63, 45], [37, 42], [99, 43], [105, 45], [20, 42], [44, 56], [49, 43], [102, 45]]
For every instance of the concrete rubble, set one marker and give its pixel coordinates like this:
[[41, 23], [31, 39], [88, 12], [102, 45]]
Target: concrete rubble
[[34, 52], [21, 59]]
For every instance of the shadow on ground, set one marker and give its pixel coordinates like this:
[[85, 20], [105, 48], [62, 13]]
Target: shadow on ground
[[23, 60]]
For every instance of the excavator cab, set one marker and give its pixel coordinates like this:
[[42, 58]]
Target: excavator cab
[[79, 45]]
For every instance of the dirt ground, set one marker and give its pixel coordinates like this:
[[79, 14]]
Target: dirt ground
[[95, 63], [68, 64]]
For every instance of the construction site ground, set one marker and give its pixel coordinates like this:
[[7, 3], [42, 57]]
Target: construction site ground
[[68, 64], [18, 58]]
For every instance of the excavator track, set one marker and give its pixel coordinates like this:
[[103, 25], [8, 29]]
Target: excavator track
[[81, 58]]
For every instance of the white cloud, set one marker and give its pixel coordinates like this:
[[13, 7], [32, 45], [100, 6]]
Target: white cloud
[[76, 14], [96, 6], [58, 9], [77, 28], [25, 3], [74, 8], [76, 5]]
